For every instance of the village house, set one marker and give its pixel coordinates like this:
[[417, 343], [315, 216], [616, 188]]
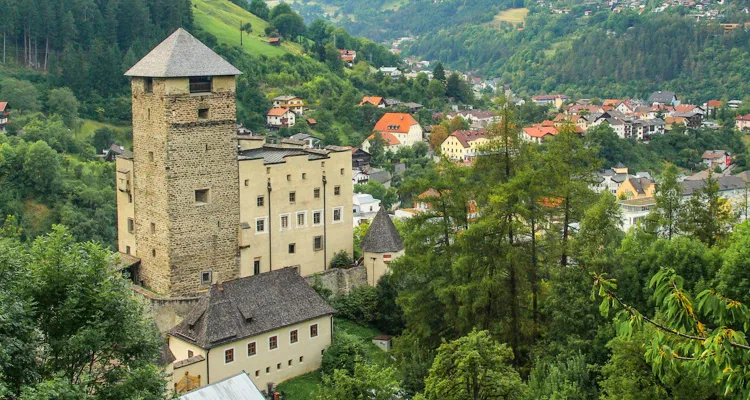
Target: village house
[[555, 100], [712, 105], [310, 141], [253, 208], [635, 187], [663, 98], [538, 133], [360, 158], [716, 158], [293, 103], [279, 117], [381, 245], [364, 208], [396, 129], [463, 146], [393, 72], [348, 57], [477, 119], [741, 122], [272, 326], [376, 101], [4, 115]]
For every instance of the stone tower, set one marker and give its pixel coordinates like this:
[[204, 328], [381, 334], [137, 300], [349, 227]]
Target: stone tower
[[186, 213], [381, 245]]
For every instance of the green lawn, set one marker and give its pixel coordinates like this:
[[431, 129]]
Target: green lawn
[[515, 16], [393, 4], [305, 386], [222, 19], [123, 134]]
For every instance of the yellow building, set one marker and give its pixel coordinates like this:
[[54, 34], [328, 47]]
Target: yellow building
[[381, 245], [463, 145], [273, 326], [636, 188], [192, 209]]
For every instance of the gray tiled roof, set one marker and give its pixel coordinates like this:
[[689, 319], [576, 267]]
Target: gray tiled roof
[[725, 183], [249, 306], [181, 55], [382, 237], [661, 97], [275, 154]]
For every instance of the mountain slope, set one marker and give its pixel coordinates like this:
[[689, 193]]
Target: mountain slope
[[222, 19]]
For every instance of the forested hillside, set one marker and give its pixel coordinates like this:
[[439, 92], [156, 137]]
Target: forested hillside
[[602, 54]]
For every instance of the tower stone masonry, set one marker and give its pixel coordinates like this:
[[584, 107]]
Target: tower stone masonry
[[184, 167]]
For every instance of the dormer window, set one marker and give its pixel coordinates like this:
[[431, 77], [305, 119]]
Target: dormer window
[[200, 84]]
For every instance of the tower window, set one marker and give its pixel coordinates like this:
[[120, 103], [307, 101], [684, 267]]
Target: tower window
[[200, 84], [203, 113], [153, 228], [336, 190], [151, 156], [153, 252], [131, 225], [205, 277], [292, 248], [148, 85], [201, 197]]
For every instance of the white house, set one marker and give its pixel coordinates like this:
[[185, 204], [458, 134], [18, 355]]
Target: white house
[[364, 208], [396, 129], [393, 72], [716, 158], [280, 117]]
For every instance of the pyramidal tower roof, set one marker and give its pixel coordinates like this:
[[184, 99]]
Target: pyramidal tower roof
[[382, 237], [181, 55]]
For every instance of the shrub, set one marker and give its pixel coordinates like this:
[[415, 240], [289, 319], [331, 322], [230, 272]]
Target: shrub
[[342, 354], [360, 305], [341, 259]]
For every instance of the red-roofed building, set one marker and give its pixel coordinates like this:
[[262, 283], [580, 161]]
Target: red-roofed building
[[376, 101], [538, 133], [348, 57], [280, 117], [397, 129], [688, 108], [4, 115], [712, 105], [742, 122]]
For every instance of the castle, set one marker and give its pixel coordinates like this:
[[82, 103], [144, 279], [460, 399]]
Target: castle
[[197, 203]]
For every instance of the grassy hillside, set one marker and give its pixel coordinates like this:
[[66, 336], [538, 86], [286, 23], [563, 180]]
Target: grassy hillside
[[515, 16], [222, 19]]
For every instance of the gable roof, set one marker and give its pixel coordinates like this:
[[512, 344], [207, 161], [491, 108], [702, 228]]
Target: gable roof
[[466, 137], [182, 55], [374, 100], [640, 184], [540, 131], [661, 97], [238, 387], [743, 117], [382, 237], [245, 307], [395, 122], [685, 108], [714, 103], [714, 154], [725, 183], [3, 104], [277, 111], [388, 138], [285, 98]]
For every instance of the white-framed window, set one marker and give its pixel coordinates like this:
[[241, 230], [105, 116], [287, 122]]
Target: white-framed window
[[301, 219], [273, 342], [293, 336], [317, 217], [261, 225], [284, 221], [229, 356], [314, 330], [338, 214], [252, 349]]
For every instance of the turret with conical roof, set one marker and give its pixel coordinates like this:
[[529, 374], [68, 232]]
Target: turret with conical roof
[[179, 198], [381, 245]]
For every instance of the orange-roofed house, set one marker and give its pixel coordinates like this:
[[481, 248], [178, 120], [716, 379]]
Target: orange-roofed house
[[376, 101], [688, 108], [348, 57], [397, 129], [712, 105], [538, 133], [280, 117]]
